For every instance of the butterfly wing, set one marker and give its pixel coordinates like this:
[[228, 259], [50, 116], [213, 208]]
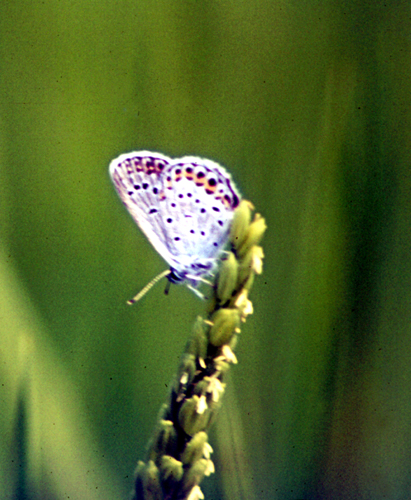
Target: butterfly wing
[[137, 179], [183, 206], [200, 202]]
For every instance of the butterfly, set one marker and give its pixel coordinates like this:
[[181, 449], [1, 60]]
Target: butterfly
[[184, 206]]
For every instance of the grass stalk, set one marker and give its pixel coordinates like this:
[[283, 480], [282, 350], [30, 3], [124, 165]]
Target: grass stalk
[[178, 455]]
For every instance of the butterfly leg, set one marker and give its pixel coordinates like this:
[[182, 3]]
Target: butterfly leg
[[199, 294], [198, 278]]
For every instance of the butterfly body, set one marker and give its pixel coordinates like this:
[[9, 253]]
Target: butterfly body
[[184, 206]]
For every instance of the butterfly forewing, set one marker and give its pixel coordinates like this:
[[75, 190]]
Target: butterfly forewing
[[136, 177]]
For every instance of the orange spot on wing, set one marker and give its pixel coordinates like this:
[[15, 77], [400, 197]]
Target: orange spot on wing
[[211, 189]]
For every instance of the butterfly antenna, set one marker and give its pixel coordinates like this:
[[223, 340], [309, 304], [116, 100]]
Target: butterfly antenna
[[148, 286]]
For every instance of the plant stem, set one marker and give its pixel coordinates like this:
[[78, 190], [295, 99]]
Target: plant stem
[[178, 456]]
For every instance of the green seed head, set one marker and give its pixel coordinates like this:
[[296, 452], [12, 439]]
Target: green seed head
[[225, 321], [240, 223], [171, 470], [253, 236], [148, 477], [193, 417], [195, 448], [227, 280]]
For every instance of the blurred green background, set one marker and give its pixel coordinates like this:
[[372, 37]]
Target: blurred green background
[[307, 103]]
